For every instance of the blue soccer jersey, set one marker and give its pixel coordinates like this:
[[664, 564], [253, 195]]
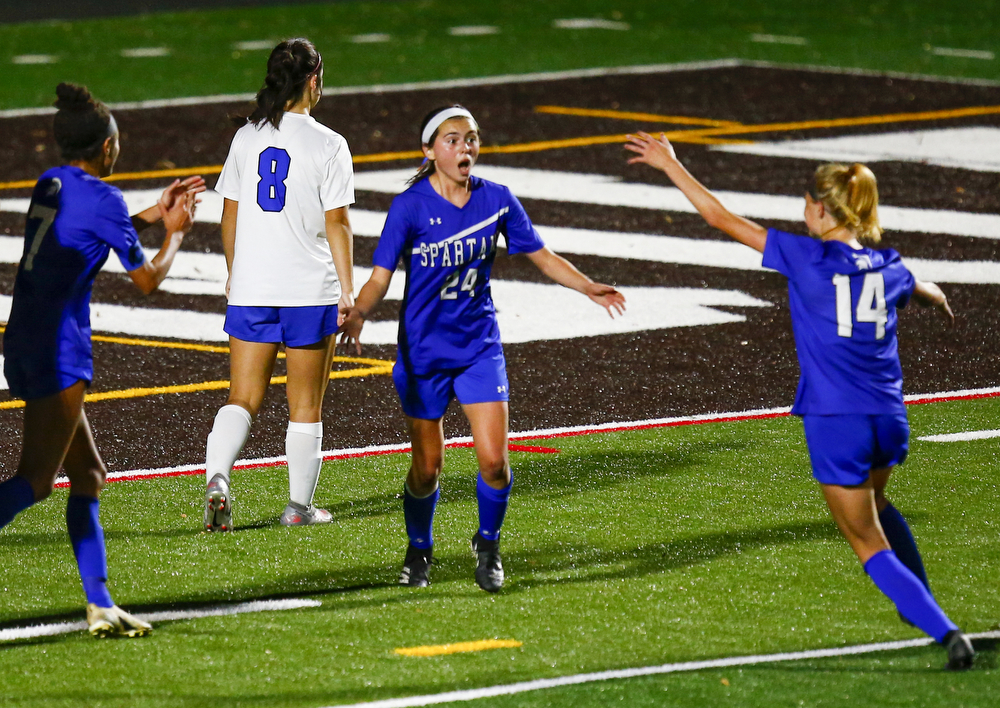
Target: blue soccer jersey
[[843, 305], [447, 319], [74, 221]]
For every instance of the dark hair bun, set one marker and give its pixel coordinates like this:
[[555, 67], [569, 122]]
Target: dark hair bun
[[73, 98]]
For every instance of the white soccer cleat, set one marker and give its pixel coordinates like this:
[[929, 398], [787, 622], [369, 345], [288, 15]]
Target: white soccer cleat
[[113, 621], [218, 505], [298, 515]]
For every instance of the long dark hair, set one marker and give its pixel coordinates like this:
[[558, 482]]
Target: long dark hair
[[289, 68], [427, 166], [82, 123]]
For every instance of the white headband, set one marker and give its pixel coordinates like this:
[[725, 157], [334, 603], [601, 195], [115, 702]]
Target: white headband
[[440, 118]]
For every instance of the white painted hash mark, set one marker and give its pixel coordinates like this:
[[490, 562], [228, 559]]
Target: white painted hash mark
[[141, 52], [590, 23], [49, 630], [778, 39], [372, 38], [473, 30], [962, 437], [525, 686], [35, 59], [962, 53], [254, 45]]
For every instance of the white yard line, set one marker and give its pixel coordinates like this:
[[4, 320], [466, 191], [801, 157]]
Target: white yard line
[[963, 437], [613, 191], [48, 630], [620, 674], [412, 85], [542, 434], [500, 79]]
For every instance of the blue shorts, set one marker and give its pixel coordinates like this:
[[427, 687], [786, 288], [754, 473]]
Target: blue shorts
[[427, 397], [31, 378], [295, 326], [845, 448]]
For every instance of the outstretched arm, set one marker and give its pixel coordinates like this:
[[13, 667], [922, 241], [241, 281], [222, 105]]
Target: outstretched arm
[[930, 295], [368, 299], [660, 154], [565, 273]]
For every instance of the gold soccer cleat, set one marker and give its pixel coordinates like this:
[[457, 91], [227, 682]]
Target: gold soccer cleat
[[114, 622]]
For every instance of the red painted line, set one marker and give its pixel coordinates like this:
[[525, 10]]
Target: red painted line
[[533, 448], [548, 435]]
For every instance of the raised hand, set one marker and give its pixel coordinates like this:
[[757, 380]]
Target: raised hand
[[180, 216], [607, 297], [650, 151], [178, 188]]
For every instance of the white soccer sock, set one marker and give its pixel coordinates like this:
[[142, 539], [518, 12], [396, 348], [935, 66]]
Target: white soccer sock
[[303, 446], [229, 434]]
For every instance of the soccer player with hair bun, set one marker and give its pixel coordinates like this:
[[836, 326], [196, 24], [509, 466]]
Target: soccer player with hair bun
[[446, 227], [287, 184], [843, 296], [74, 221]]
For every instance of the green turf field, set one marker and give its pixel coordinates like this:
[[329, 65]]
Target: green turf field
[[883, 35], [624, 550]]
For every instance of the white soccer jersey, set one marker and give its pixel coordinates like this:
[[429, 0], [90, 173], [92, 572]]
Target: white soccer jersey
[[285, 180]]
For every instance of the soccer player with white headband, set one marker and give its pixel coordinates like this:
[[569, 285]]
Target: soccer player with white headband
[[445, 227]]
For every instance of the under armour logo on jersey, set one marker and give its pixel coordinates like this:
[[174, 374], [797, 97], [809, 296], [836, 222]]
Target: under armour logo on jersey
[[435, 220], [862, 261]]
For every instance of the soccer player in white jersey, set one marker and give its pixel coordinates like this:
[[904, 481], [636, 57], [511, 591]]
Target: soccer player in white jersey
[[445, 228], [287, 184]]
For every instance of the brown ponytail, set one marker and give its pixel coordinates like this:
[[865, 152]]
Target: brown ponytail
[[289, 68], [850, 193]]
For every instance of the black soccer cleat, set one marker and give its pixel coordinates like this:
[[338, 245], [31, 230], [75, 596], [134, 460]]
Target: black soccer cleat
[[416, 567], [960, 651], [489, 571]]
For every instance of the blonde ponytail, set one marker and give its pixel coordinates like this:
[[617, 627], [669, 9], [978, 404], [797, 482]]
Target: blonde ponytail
[[850, 193]]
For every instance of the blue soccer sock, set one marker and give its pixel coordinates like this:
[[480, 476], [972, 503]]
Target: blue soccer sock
[[909, 595], [492, 507], [419, 515], [87, 537], [16, 495], [897, 531]]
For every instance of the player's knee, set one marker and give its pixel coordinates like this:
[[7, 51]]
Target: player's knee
[[495, 469], [426, 470]]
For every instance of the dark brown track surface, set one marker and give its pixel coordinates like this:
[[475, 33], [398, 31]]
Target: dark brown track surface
[[568, 382]]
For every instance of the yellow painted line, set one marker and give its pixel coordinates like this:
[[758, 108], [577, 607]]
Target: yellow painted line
[[629, 115], [158, 344], [384, 368], [842, 122], [698, 135], [460, 647]]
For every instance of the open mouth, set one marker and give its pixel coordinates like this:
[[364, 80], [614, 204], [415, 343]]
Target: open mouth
[[465, 164]]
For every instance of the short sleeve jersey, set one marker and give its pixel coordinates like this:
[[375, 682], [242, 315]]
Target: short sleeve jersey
[[843, 305], [285, 181], [74, 222], [447, 318]]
